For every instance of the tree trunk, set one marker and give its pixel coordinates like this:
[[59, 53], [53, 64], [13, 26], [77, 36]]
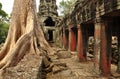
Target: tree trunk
[[25, 34]]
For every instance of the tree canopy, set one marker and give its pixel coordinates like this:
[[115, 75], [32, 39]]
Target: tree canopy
[[67, 6], [3, 24], [2, 12]]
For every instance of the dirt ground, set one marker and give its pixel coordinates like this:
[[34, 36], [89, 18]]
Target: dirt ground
[[30, 68]]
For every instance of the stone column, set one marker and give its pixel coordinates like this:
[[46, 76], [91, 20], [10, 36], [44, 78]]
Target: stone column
[[97, 46], [81, 51], [105, 54], [73, 41], [69, 39]]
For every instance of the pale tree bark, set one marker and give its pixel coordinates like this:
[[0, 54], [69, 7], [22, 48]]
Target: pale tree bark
[[25, 35]]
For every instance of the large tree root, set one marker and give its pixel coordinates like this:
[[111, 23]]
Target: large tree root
[[24, 36]]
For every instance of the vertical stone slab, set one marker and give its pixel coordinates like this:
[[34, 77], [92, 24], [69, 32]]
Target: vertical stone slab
[[97, 47], [105, 61], [69, 39], [73, 41], [81, 55]]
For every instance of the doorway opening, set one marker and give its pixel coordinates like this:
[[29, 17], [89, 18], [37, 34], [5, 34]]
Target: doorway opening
[[50, 35], [49, 22]]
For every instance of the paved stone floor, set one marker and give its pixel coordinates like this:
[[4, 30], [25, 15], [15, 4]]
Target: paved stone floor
[[76, 70]]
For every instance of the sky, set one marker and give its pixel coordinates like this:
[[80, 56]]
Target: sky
[[7, 5]]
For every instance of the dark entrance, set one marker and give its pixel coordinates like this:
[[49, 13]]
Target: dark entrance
[[50, 33], [49, 22]]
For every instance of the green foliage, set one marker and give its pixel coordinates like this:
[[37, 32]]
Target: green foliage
[[2, 12], [4, 25], [67, 6], [3, 31]]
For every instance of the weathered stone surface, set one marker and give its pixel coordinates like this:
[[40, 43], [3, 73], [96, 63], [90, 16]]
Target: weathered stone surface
[[48, 8], [27, 68], [48, 19], [91, 45], [114, 50], [63, 54], [67, 72], [58, 69], [74, 70]]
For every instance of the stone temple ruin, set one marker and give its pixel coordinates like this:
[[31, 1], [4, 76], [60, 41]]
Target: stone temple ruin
[[90, 18], [48, 18], [97, 18]]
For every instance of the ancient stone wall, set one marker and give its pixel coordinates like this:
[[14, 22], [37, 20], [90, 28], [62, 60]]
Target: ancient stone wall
[[48, 19], [97, 18]]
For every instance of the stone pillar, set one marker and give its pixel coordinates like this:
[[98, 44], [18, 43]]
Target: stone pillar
[[69, 39], [81, 51], [105, 54], [97, 46], [73, 41]]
